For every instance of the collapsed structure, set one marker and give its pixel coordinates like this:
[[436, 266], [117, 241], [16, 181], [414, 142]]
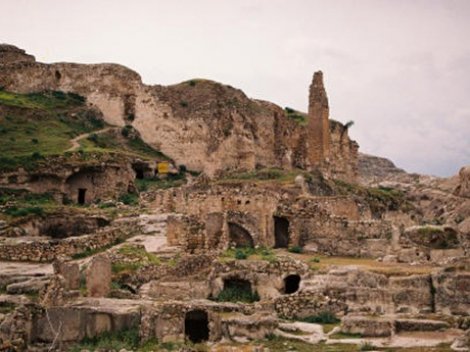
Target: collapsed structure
[[270, 229]]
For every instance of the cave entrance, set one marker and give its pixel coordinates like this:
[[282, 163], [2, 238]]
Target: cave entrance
[[281, 232], [81, 195], [240, 237], [291, 284], [196, 326]]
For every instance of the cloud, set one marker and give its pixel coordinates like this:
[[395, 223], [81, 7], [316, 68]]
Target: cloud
[[400, 69]]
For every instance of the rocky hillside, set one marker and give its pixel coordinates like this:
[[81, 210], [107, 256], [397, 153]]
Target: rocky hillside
[[373, 169], [204, 125]]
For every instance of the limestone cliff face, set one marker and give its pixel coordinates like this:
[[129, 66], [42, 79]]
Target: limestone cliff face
[[202, 124]]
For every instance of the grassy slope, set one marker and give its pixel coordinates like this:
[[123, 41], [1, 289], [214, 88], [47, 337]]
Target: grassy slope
[[42, 122]]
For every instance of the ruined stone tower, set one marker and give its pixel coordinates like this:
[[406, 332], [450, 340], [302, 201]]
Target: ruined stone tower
[[318, 124]]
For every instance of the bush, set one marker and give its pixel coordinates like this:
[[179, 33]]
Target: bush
[[325, 317], [184, 104], [296, 249], [36, 156], [367, 346], [126, 131], [126, 339], [17, 212], [240, 254], [129, 199], [235, 294], [34, 141]]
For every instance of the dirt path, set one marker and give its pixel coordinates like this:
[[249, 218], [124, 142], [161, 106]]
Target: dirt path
[[76, 141]]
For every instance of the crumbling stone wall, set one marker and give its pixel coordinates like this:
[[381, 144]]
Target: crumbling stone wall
[[103, 177], [48, 250]]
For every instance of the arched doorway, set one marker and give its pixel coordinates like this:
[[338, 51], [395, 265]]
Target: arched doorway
[[291, 283], [239, 237], [281, 232], [196, 326]]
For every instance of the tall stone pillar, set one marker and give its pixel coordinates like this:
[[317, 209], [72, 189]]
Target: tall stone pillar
[[318, 125]]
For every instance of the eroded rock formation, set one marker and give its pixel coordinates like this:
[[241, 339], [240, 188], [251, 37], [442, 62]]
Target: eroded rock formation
[[204, 125]]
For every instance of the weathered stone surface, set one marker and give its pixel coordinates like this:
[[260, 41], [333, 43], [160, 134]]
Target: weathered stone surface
[[70, 272], [452, 292], [412, 294], [419, 325], [12, 54], [463, 189], [98, 276], [367, 326]]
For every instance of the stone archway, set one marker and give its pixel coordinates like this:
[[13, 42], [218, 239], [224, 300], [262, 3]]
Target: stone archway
[[281, 232], [239, 236], [196, 326]]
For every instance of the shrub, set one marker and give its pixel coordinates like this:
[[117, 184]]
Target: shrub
[[129, 199], [34, 141], [126, 131], [184, 104], [125, 339], [17, 212], [36, 156], [324, 317], [192, 83], [182, 168], [367, 346], [236, 294], [240, 254], [296, 249]]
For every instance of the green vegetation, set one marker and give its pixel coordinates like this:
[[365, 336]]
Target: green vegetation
[[91, 251], [324, 317], [295, 249], [129, 198], [40, 124], [172, 180], [262, 253], [367, 346], [297, 116], [136, 258], [344, 335], [262, 174], [126, 339], [379, 199], [42, 101], [237, 294], [128, 142], [130, 340], [22, 203], [281, 344]]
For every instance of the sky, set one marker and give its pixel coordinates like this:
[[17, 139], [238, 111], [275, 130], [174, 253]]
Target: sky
[[400, 69]]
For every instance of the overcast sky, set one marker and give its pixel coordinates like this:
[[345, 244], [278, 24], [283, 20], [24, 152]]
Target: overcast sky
[[400, 69]]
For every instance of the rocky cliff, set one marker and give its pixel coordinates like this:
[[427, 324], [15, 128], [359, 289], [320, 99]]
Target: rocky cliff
[[204, 125]]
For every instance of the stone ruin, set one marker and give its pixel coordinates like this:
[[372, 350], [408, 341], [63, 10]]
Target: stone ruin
[[272, 238]]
